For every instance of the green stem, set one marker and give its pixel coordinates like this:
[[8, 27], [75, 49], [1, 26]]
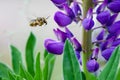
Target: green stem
[[86, 39]]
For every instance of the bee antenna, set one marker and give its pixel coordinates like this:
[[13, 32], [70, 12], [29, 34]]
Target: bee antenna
[[47, 17]]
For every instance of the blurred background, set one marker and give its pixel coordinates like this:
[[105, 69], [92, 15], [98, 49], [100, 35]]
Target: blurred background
[[14, 28]]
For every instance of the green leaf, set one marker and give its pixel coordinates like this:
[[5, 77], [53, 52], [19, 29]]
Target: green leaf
[[29, 54], [118, 74], [111, 68], [71, 68], [45, 53], [92, 77], [19, 78], [16, 58], [4, 71], [49, 65], [38, 73], [11, 76], [24, 74]]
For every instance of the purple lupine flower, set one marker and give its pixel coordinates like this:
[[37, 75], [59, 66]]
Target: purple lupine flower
[[114, 6], [103, 17], [62, 19], [53, 46], [107, 43], [112, 19], [101, 35], [114, 27], [76, 9], [88, 22], [69, 33], [95, 2], [107, 52], [59, 3], [76, 44], [78, 57], [69, 11], [95, 53], [92, 65], [101, 8], [116, 42], [61, 36]]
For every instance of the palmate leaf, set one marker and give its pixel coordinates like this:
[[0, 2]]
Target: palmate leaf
[[48, 67], [71, 68], [16, 58], [29, 54], [112, 67], [38, 73], [4, 71]]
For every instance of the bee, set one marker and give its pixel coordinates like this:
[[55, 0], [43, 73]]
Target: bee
[[39, 21]]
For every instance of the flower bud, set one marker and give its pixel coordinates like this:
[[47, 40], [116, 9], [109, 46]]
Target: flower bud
[[53, 46], [114, 6], [92, 65], [107, 52], [103, 17]]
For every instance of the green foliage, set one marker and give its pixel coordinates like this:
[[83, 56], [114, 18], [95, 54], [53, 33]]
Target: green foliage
[[71, 68], [29, 54], [31, 72], [4, 69], [48, 67], [24, 74], [112, 67], [38, 73], [16, 58]]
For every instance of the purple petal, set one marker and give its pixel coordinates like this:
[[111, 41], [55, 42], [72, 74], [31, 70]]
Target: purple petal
[[88, 23], [69, 11], [101, 35], [103, 45], [114, 27], [89, 13], [114, 6], [59, 3], [103, 17], [116, 42], [95, 53], [78, 55], [69, 33], [53, 46], [76, 9], [62, 19], [107, 53], [112, 19], [92, 65], [62, 36], [101, 8], [76, 44]]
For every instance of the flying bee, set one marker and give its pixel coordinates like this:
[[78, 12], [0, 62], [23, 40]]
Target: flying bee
[[39, 21]]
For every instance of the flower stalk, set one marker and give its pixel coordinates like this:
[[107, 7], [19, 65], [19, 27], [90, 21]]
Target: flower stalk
[[86, 39]]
